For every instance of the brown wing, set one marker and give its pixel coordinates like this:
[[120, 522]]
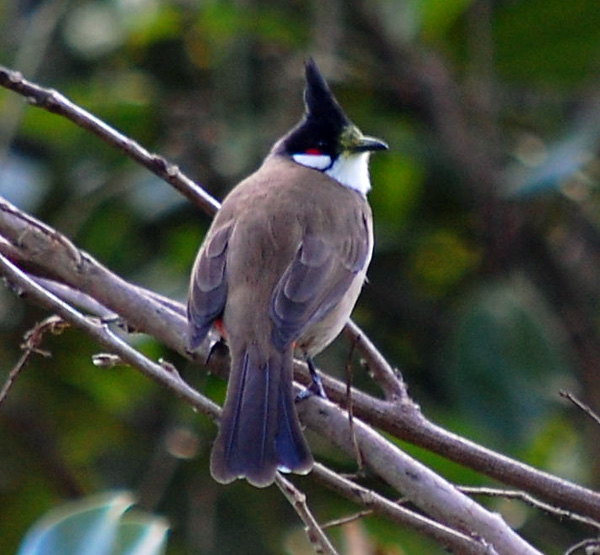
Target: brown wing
[[315, 282], [208, 287]]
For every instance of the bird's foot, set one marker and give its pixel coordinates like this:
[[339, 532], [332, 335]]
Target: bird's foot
[[316, 385]]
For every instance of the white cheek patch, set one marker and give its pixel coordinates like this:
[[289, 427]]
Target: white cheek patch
[[316, 161]]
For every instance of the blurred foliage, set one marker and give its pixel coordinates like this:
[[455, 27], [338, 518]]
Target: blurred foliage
[[487, 301], [100, 525]]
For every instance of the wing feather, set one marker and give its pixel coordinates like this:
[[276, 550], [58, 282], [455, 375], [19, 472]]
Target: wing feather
[[208, 287], [315, 282]]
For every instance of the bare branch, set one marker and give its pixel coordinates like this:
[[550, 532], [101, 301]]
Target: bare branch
[[389, 380], [145, 313], [530, 500], [380, 455], [429, 491], [55, 102], [105, 337], [580, 405], [404, 420], [31, 346], [456, 542], [28, 241], [46, 248], [342, 521], [297, 499], [591, 546]]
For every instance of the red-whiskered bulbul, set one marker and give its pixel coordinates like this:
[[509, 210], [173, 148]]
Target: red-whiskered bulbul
[[278, 273]]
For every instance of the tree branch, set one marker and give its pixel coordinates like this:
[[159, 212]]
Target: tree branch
[[420, 484], [55, 102], [31, 346], [297, 500], [423, 487], [581, 406], [452, 540], [163, 319], [30, 243], [102, 334], [531, 501], [44, 244]]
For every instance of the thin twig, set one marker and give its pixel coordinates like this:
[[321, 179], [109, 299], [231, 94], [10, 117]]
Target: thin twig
[[393, 416], [532, 501], [453, 540], [580, 405], [297, 500], [349, 405], [418, 483], [144, 311], [14, 374], [57, 103], [593, 543], [390, 381], [103, 335], [337, 522], [31, 346]]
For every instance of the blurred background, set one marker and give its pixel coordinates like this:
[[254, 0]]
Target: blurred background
[[484, 286]]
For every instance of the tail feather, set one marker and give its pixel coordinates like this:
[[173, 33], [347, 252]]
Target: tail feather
[[259, 431], [292, 452]]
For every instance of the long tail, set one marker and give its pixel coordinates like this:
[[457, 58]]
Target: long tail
[[259, 430]]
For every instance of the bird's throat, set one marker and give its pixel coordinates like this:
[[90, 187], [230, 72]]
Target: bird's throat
[[352, 171]]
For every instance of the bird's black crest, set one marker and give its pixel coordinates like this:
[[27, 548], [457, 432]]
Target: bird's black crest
[[323, 121], [321, 105]]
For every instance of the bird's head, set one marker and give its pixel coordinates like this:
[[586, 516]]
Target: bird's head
[[326, 139]]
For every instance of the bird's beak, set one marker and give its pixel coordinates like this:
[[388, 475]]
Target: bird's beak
[[368, 144]]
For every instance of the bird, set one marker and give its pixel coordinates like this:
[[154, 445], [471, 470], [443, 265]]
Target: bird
[[277, 275]]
